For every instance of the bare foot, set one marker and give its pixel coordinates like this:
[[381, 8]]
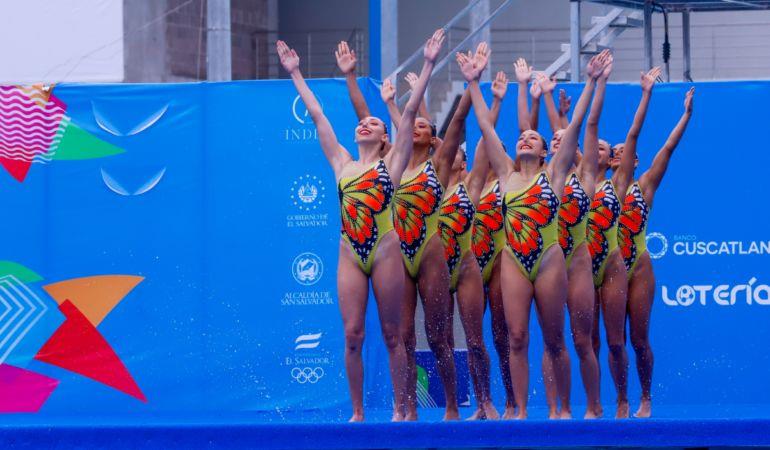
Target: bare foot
[[622, 411], [510, 411], [594, 413], [490, 411], [565, 414], [357, 417], [645, 409], [451, 414], [411, 416], [553, 413], [478, 415], [397, 417], [522, 414]]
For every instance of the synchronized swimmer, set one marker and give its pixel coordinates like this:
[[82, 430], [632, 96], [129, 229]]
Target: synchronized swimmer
[[511, 230]]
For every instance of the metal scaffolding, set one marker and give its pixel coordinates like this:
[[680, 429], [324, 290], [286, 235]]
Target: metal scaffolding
[[676, 6]]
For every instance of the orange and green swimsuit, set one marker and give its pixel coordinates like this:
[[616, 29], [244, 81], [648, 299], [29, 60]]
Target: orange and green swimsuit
[[415, 214], [573, 215], [531, 224], [454, 225], [601, 230], [488, 229], [365, 209], [632, 227]]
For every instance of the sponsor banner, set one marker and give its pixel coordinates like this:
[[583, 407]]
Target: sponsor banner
[[707, 238], [219, 196]]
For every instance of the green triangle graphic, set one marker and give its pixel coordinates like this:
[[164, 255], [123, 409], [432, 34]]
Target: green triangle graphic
[[17, 270], [76, 143]]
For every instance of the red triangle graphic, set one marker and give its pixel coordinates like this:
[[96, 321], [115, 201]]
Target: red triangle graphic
[[78, 346], [17, 169]]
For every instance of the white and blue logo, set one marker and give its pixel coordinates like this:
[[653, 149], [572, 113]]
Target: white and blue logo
[[307, 341], [657, 245], [307, 269], [300, 112], [308, 192]]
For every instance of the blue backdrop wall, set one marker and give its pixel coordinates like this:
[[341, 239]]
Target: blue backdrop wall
[[221, 199]]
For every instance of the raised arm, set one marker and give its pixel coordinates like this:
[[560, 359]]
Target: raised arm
[[535, 91], [565, 103], [346, 61], [402, 148], [589, 164], [565, 157], [388, 94], [651, 179], [625, 172], [547, 85], [499, 89], [334, 152], [411, 78], [523, 75], [480, 168], [446, 152], [471, 68]]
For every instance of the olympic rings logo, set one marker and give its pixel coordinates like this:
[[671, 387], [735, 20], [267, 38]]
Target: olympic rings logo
[[307, 374]]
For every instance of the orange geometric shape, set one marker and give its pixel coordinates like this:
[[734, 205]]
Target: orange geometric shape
[[94, 296], [78, 346]]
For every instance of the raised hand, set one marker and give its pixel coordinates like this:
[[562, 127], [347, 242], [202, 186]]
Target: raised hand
[[648, 79], [481, 57], [467, 66], [535, 90], [523, 71], [346, 58], [597, 64], [565, 103], [387, 91], [688, 100], [433, 46], [546, 84], [411, 78], [472, 65], [607, 69], [500, 85], [289, 58]]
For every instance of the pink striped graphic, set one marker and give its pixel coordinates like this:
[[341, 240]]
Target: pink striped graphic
[[31, 124]]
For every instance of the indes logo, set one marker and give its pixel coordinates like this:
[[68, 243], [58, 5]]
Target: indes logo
[[300, 112], [307, 268], [306, 131], [750, 293], [307, 341]]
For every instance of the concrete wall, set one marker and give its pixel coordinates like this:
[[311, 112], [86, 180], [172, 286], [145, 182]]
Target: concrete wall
[[173, 48], [315, 27]]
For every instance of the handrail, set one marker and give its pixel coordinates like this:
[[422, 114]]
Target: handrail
[[419, 51], [470, 36]]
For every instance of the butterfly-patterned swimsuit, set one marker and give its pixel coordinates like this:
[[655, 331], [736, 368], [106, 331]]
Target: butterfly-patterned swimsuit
[[632, 227], [573, 215], [488, 229], [415, 214], [365, 209], [531, 223], [454, 225], [601, 231]]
